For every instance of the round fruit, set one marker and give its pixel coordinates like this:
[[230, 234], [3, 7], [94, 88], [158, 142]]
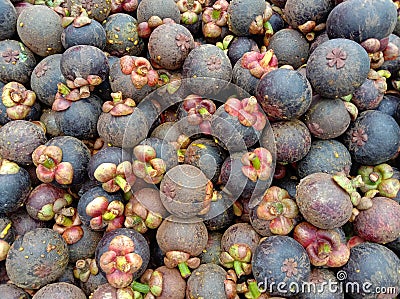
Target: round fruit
[[42, 38], [37, 258], [337, 67], [322, 202], [280, 259], [373, 138]]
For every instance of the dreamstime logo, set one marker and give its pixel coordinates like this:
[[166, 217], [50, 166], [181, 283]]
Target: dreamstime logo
[[227, 135], [332, 286]]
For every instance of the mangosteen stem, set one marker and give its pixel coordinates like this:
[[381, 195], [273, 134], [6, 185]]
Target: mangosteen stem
[[238, 268], [256, 162], [109, 216], [122, 183], [267, 58], [203, 112], [184, 269], [251, 105], [269, 30], [140, 287], [117, 97], [324, 249], [63, 89], [216, 14], [253, 288], [49, 163]]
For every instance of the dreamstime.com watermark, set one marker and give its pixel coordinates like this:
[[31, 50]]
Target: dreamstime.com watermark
[[328, 286]]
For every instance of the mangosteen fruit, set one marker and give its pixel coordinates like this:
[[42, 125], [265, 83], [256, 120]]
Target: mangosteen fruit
[[169, 45], [306, 15], [247, 174], [122, 255], [185, 191], [133, 76], [362, 19], [85, 247], [18, 103], [17, 62], [327, 118], [319, 279], [66, 289], [324, 247], [370, 93], [80, 119], [182, 241], [213, 249], [111, 169], [96, 9], [373, 264], [122, 36], [329, 156], [11, 291], [337, 67], [389, 105], [242, 15], [82, 30], [251, 67], [8, 19], [84, 67], [37, 258], [293, 140], [238, 245], [284, 94], [207, 281], [206, 155], [277, 213], [373, 138], [62, 161], [379, 223], [152, 158], [322, 202], [161, 283], [160, 8], [290, 47], [209, 66], [18, 140], [280, 259], [221, 213], [120, 121], [100, 210], [45, 77], [144, 210], [240, 45], [239, 124], [42, 38]]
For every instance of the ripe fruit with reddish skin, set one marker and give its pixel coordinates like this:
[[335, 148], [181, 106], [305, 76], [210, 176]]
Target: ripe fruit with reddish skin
[[322, 202], [324, 247], [379, 223]]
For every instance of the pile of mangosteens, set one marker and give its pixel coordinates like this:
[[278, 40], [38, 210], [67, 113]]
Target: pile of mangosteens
[[199, 149]]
